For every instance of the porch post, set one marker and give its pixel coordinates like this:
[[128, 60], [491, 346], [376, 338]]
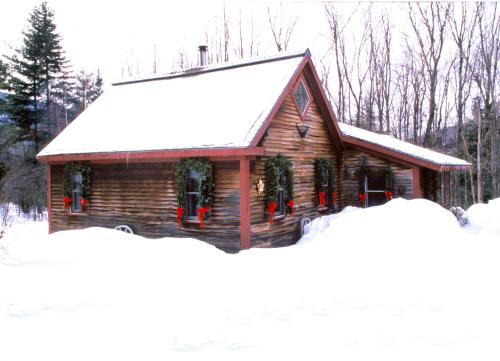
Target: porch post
[[49, 196], [417, 187], [244, 204]]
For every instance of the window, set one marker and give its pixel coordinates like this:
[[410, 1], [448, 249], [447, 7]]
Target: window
[[193, 195], [324, 184], [374, 190], [301, 97], [280, 204], [76, 192], [324, 187]]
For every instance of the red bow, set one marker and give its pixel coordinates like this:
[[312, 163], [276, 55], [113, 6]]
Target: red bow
[[322, 200], [290, 204], [362, 198], [334, 197], [271, 208], [388, 196], [201, 215], [84, 203], [180, 213], [67, 202]]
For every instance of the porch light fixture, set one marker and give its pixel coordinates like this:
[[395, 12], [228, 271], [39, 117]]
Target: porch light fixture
[[302, 129]]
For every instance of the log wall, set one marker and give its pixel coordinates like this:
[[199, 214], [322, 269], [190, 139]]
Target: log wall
[[351, 160], [282, 137], [143, 197]]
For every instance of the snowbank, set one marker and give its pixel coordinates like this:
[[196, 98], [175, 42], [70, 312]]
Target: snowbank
[[485, 217], [400, 281]]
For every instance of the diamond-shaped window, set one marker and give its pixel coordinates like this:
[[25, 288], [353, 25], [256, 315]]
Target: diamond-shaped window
[[301, 97]]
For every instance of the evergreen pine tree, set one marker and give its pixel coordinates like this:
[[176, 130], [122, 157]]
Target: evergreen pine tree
[[3, 86], [98, 84], [34, 66]]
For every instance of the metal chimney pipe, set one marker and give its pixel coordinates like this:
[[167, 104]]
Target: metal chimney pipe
[[203, 54]]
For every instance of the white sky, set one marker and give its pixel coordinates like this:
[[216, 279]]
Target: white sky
[[103, 34]]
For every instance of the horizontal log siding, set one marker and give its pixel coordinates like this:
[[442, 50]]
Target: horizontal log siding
[[351, 162], [143, 197], [282, 137]]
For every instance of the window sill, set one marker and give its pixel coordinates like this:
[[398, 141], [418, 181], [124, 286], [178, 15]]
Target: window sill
[[196, 221], [277, 218], [79, 214]]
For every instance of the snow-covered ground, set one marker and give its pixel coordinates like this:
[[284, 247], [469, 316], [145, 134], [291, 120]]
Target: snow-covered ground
[[400, 281]]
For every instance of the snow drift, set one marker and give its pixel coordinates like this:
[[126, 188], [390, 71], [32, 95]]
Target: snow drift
[[398, 281]]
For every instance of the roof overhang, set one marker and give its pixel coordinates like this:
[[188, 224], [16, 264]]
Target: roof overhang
[[156, 155], [399, 157]]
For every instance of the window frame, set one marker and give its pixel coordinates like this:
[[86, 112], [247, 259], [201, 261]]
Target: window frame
[[302, 81], [325, 187], [280, 197], [369, 190], [75, 207], [325, 184], [191, 217]]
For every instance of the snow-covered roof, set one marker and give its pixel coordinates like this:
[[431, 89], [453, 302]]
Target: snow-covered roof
[[199, 108], [401, 147]]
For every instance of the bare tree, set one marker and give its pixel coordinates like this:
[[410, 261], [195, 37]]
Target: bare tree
[[462, 30], [486, 76], [384, 73], [359, 70], [339, 49], [225, 24], [403, 109], [432, 20], [280, 28], [226, 40], [155, 60]]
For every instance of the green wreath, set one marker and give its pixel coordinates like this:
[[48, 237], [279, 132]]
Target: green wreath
[[205, 168], [274, 166], [69, 170], [323, 170]]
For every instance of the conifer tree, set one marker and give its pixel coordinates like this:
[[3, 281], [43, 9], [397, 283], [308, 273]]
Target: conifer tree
[[3, 85], [34, 67]]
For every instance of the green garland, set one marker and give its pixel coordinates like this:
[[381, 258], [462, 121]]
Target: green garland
[[75, 167], [365, 170], [272, 169], [323, 168], [204, 167]]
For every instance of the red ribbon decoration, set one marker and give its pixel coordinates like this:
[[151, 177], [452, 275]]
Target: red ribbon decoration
[[201, 215], [180, 213], [388, 196], [67, 202], [362, 198], [84, 203], [322, 200], [334, 198], [290, 204], [271, 208]]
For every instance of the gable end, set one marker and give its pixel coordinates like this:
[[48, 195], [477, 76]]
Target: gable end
[[306, 72]]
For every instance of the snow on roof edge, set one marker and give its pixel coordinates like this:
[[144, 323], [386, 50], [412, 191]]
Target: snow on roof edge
[[214, 67], [402, 147]]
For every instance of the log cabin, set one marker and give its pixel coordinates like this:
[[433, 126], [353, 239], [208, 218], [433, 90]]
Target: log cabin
[[235, 154]]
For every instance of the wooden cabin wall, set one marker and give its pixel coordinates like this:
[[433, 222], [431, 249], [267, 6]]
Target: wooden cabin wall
[[351, 161], [282, 137], [143, 196]]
